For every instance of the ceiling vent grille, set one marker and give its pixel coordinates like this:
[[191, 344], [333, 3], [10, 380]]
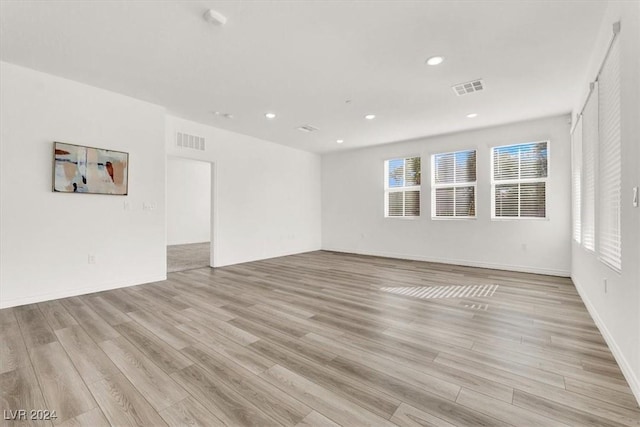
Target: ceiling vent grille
[[307, 128], [184, 140], [468, 87]]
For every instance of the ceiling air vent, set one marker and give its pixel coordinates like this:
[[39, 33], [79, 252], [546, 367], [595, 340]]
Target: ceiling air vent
[[184, 140], [307, 128], [468, 87]]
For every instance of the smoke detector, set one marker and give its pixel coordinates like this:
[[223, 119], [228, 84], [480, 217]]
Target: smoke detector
[[213, 17]]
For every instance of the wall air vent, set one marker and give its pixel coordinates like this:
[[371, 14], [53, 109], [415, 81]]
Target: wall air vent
[[307, 128], [468, 87], [184, 140]]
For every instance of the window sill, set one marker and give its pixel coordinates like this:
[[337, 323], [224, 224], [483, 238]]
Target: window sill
[[519, 219], [610, 266], [453, 218], [409, 218]]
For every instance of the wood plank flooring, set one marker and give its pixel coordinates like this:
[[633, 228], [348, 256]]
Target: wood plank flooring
[[188, 257], [316, 339]]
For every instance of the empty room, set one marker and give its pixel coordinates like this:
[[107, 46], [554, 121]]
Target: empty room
[[319, 213]]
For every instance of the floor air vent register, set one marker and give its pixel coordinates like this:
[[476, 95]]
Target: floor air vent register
[[448, 291]]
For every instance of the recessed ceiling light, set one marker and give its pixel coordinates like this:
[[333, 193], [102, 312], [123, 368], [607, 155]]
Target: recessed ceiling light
[[270, 115], [370, 116], [435, 60], [339, 141], [472, 115]]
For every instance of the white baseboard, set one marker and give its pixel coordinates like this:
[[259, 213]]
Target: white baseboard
[[625, 367], [467, 263], [270, 256], [30, 299]]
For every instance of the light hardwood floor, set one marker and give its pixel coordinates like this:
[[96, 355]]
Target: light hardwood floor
[[188, 257], [317, 339]]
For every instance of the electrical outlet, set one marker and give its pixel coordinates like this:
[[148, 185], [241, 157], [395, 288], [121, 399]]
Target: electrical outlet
[[91, 259]]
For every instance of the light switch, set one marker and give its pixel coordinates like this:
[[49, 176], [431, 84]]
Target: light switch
[[635, 197]]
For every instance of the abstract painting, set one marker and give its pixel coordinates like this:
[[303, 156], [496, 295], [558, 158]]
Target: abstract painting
[[80, 169]]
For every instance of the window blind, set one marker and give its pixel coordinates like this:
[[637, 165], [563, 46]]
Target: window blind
[[454, 184], [519, 180], [402, 187], [589, 146], [576, 180], [609, 166]]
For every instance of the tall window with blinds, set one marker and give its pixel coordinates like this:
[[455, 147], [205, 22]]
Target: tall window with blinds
[[402, 187], [453, 189], [576, 180], [588, 191], [609, 164], [519, 180]]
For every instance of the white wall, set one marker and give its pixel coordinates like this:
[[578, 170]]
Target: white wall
[[269, 207], [266, 197], [188, 201], [353, 205], [617, 312], [45, 237]]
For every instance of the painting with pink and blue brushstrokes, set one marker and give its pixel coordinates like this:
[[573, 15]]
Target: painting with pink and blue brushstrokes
[[80, 169]]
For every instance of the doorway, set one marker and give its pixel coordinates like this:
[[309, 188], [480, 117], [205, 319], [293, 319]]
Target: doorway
[[188, 214]]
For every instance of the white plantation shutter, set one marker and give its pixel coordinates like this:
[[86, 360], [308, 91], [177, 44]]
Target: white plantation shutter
[[589, 147], [402, 187], [576, 179], [412, 203], [609, 166], [506, 200], [519, 180], [396, 204], [532, 199], [454, 184]]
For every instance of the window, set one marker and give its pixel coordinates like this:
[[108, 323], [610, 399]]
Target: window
[[519, 180], [576, 179], [609, 160], [453, 189], [402, 187], [588, 193]]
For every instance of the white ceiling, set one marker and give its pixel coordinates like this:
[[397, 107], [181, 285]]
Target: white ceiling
[[304, 59]]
